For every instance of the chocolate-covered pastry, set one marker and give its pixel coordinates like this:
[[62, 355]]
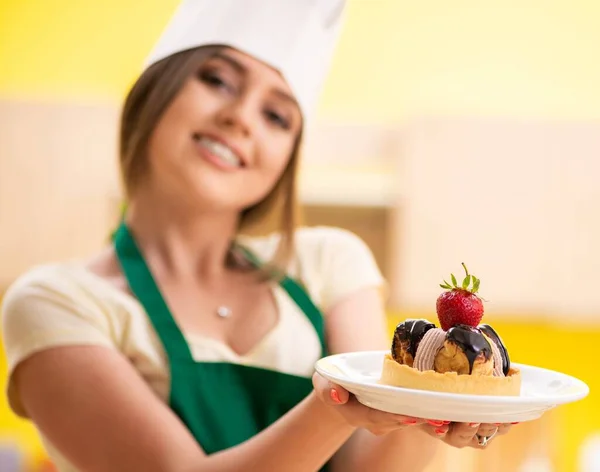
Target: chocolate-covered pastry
[[465, 351], [495, 337], [460, 356], [407, 337]]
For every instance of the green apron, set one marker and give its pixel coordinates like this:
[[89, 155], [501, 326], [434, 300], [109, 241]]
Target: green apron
[[222, 404]]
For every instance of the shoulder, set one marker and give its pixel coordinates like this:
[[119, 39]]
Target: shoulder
[[310, 242], [40, 280], [59, 288], [331, 262], [326, 236], [50, 305], [56, 281]]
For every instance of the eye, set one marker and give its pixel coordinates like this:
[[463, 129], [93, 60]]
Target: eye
[[213, 80], [277, 119]]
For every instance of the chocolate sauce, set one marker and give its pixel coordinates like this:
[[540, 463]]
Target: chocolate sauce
[[471, 341], [410, 333], [491, 333]]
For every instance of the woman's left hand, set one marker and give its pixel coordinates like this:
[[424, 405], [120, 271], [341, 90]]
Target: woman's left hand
[[477, 435]]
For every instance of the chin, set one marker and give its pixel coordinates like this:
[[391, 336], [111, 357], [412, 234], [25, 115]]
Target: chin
[[220, 200], [205, 190]]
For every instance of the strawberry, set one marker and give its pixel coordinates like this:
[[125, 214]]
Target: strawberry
[[460, 305]]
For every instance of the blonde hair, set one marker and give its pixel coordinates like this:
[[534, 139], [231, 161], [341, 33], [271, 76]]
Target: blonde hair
[[144, 105]]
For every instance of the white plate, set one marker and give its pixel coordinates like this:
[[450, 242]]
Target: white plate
[[541, 390]]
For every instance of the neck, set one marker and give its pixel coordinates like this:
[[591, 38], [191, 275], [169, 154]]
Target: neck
[[180, 242]]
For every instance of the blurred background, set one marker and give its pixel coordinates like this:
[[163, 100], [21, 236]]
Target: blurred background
[[447, 132]]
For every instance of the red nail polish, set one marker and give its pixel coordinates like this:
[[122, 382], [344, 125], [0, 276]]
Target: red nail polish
[[497, 424], [440, 431], [516, 422], [435, 422], [446, 422], [334, 395], [409, 421]]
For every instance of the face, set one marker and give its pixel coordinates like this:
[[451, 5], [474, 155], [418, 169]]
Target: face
[[227, 136]]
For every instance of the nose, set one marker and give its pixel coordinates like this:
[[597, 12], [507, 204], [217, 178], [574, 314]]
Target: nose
[[237, 115]]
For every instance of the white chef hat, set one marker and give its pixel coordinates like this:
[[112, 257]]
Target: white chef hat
[[296, 37]]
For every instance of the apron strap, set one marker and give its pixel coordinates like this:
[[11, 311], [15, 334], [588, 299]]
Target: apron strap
[[298, 294], [143, 285]]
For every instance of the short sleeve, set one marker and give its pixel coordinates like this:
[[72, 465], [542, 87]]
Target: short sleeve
[[336, 263], [42, 310]]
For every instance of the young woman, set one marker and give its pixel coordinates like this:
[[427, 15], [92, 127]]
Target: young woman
[[187, 345]]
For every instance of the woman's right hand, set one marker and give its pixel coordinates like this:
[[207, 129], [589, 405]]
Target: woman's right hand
[[358, 415]]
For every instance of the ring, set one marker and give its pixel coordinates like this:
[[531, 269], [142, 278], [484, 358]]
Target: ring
[[483, 440]]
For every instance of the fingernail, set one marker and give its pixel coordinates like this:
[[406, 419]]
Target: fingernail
[[497, 424], [446, 422], [409, 421], [435, 422], [440, 431], [473, 425], [334, 395], [516, 422]]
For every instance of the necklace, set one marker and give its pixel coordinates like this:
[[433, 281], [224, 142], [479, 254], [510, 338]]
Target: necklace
[[234, 259], [224, 311]]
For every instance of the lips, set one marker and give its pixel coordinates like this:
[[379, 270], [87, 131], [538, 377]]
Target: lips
[[218, 152]]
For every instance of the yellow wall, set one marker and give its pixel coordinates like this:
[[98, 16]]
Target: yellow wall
[[15, 430], [75, 49], [396, 57], [509, 57]]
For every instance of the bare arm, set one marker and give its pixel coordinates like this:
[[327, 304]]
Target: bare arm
[[93, 406], [358, 323]]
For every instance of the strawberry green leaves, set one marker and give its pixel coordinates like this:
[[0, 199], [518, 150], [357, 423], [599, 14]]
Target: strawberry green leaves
[[466, 282]]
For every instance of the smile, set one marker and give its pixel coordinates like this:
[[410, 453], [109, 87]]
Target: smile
[[217, 152]]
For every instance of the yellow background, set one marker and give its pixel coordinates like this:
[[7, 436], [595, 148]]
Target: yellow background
[[396, 57], [91, 51]]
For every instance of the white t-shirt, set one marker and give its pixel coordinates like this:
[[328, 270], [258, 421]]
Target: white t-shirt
[[64, 304]]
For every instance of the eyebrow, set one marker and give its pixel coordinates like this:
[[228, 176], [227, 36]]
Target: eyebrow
[[231, 61], [243, 70]]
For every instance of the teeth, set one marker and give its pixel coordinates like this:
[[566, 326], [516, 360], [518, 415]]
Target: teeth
[[221, 151]]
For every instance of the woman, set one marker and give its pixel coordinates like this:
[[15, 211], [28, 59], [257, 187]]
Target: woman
[[186, 346]]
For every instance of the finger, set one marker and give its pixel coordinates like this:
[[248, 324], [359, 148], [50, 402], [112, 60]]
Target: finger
[[439, 432], [438, 423], [477, 441], [505, 428], [461, 434], [487, 429], [383, 418], [475, 444], [381, 431], [378, 419], [329, 392], [466, 427]]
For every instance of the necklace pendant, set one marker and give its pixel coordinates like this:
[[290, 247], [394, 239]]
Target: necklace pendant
[[224, 312]]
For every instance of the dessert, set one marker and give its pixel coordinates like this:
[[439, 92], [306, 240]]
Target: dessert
[[461, 356]]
